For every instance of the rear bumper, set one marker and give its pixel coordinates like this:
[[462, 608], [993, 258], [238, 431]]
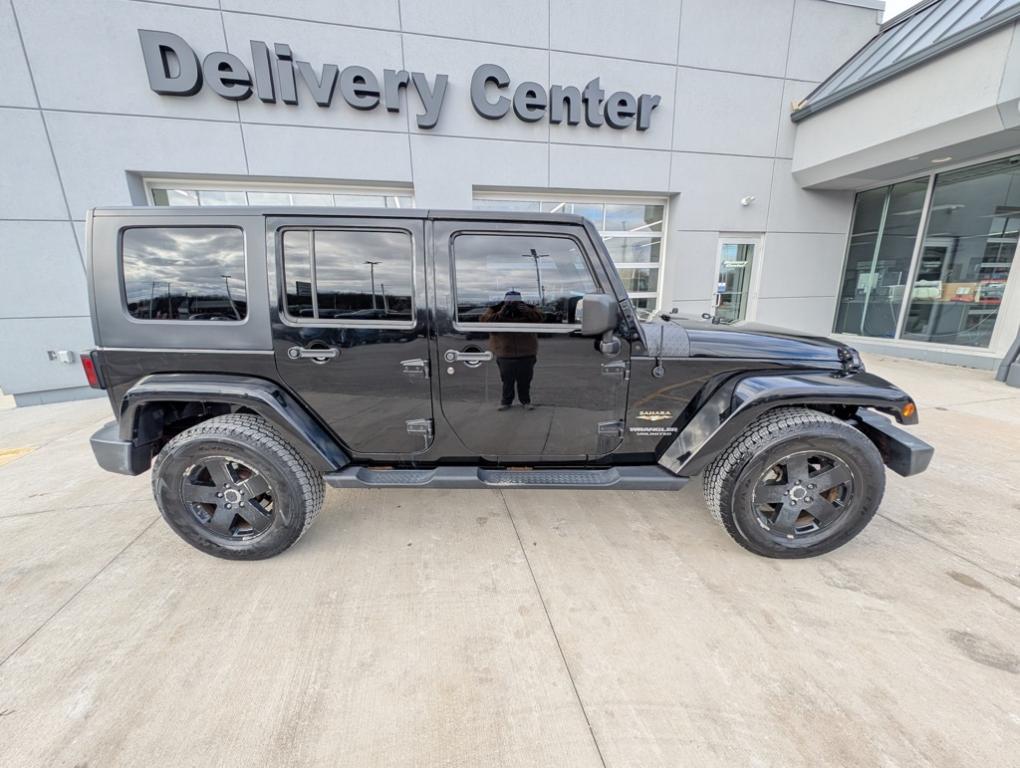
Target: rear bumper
[[120, 456], [903, 453]]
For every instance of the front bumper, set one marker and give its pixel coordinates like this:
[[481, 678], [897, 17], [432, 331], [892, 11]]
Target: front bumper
[[120, 456], [903, 453]]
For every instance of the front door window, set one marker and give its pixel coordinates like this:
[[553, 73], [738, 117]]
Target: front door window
[[518, 380]]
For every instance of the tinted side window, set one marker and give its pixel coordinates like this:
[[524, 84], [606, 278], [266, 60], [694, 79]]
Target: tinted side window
[[184, 273], [348, 275], [519, 278]]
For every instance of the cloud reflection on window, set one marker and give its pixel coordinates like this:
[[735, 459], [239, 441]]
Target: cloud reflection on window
[[184, 273]]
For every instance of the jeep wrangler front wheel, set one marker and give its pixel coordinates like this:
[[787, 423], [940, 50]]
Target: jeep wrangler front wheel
[[796, 483], [234, 488]]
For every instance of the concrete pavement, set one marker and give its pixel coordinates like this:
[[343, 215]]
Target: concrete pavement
[[544, 628]]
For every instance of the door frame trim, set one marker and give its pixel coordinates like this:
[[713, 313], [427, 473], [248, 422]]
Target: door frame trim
[[757, 240]]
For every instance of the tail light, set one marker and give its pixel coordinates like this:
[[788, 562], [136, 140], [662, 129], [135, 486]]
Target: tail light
[[89, 366]]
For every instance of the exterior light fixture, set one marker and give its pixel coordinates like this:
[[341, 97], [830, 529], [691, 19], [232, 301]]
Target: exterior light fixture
[[746, 201], [937, 160]]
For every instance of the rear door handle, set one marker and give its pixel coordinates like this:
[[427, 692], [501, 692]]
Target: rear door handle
[[315, 355], [453, 356]]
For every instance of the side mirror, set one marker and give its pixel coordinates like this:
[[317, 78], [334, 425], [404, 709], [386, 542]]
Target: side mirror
[[598, 314]]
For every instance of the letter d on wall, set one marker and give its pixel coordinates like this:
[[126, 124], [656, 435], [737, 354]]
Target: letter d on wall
[[171, 64]]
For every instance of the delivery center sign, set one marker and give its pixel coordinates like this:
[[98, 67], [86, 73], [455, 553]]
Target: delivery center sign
[[275, 75]]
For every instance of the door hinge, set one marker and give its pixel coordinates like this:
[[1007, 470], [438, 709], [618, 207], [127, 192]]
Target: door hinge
[[415, 369], [616, 368], [420, 427], [611, 428]]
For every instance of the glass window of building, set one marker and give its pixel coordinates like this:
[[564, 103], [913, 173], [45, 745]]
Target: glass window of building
[[184, 273], [966, 256], [519, 278], [209, 193], [877, 270], [949, 288], [631, 230], [736, 262], [348, 275]]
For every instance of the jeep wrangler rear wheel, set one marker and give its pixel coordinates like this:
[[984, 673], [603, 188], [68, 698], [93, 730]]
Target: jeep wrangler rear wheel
[[796, 483], [234, 488]]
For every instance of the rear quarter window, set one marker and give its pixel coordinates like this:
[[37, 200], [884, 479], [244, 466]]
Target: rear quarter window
[[184, 273]]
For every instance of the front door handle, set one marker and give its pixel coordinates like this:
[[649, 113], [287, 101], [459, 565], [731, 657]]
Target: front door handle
[[320, 355], [453, 356]]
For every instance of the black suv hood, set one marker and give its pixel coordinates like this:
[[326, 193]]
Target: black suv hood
[[750, 341]]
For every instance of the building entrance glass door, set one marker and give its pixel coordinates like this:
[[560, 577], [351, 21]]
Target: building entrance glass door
[[736, 263]]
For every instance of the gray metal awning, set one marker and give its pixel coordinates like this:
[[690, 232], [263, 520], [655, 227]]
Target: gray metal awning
[[923, 32]]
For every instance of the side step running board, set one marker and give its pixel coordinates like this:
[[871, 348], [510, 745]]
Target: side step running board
[[641, 478]]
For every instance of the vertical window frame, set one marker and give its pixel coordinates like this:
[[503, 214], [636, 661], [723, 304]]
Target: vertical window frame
[[915, 255]]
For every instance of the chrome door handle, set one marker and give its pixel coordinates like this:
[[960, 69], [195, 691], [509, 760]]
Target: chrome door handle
[[453, 356], [315, 355]]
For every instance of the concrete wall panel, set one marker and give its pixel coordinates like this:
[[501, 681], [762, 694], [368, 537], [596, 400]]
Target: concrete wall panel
[[691, 270], [16, 84], [581, 167], [29, 186], [322, 153], [26, 366], [805, 210], [720, 112], [712, 186], [813, 315], [826, 34], [516, 22], [446, 169], [87, 55], [735, 36], [42, 274], [801, 265], [95, 152], [384, 14], [645, 30], [793, 91]]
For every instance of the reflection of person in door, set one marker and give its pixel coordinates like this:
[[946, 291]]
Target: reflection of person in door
[[516, 353]]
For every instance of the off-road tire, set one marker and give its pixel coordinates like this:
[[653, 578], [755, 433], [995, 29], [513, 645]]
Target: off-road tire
[[297, 488], [729, 481]]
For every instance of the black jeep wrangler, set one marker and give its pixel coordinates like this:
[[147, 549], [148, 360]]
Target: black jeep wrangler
[[252, 356]]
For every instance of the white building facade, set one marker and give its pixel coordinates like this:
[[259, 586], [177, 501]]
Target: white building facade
[[666, 123]]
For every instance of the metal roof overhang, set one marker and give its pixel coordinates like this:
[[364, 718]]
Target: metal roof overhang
[[962, 106]]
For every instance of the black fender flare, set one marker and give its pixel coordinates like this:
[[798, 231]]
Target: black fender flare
[[739, 401], [265, 398]]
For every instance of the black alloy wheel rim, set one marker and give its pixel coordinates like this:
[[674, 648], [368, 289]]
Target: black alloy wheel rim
[[803, 494], [228, 498]]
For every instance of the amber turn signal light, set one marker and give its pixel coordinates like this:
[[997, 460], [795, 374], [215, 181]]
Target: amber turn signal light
[[908, 410]]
